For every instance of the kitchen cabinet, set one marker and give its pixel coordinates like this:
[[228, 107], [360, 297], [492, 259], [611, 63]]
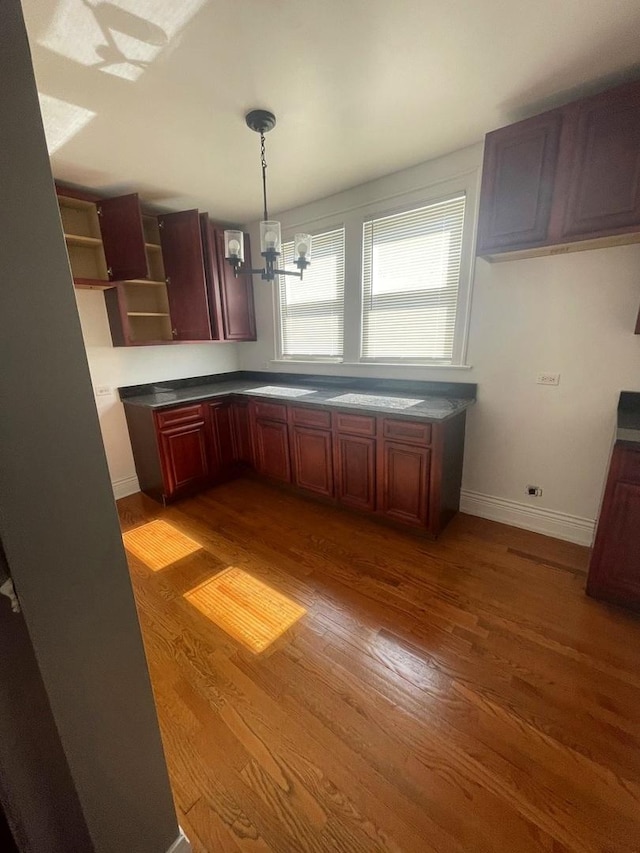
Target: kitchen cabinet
[[404, 483], [242, 433], [565, 180], [404, 470], [355, 464], [230, 298], [517, 183], [222, 440], [614, 570], [123, 237], [271, 440], [83, 238], [311, 450], [184, 450], [183, 257]]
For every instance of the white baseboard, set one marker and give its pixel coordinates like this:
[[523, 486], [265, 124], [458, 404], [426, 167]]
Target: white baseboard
[[127, 486], [181, 844], [572, 528]]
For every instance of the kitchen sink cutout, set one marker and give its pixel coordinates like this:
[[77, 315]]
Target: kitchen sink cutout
[[279, 391], [375, 400]]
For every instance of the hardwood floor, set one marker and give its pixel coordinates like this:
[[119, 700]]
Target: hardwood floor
[[458, 695]]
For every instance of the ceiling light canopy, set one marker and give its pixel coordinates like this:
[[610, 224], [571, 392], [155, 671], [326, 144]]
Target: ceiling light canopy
[[262, 121]]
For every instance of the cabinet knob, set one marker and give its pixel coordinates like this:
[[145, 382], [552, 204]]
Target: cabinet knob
[[174, 332]]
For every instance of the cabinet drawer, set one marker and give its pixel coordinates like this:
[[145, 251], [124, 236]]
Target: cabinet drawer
[[311, 417], [630, 465], [183, 415], [411, 432], [273, 411], [354, 424]]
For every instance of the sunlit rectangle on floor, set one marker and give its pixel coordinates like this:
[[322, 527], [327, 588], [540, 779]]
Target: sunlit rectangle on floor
[[158, 544], [248, 610]]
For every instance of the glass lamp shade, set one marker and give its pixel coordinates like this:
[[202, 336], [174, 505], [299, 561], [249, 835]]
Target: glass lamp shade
[[234, 246], [270, 239], [302, 247]]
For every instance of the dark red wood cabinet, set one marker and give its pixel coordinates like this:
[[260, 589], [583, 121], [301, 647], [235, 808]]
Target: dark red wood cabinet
[[183, 257], [242, 433], [222, 440], [517, 183], [271, 443], [566, 176], [355, 458], [312, 460], [230, 299], [407, 471], [404, 485], [614, 571], [123, 237], [184, 450]]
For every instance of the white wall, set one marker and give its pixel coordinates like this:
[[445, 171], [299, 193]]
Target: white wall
[[114, 367], [571, 314]]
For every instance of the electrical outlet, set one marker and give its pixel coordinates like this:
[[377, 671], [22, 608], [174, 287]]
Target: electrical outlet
[[533, 491], [103, 391], [548, 379]]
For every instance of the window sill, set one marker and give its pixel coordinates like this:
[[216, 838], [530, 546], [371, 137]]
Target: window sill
[[413, 365]]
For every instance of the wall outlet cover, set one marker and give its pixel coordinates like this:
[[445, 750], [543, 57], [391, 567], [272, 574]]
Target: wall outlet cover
[[103, 391], [548, 379]]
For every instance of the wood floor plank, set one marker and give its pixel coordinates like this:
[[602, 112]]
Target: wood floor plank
[[457, 696]]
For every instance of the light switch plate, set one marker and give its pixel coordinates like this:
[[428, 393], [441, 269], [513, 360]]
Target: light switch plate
[[103, 391]]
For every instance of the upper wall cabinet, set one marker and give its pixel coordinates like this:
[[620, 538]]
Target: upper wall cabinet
[[81, 226], [567, 179], [123, 237], [230, 298], [183, 256]]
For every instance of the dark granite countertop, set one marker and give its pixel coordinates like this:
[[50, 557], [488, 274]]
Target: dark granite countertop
[[435, 401], [628, 427]]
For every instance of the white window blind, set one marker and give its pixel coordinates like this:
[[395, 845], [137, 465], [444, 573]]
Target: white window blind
[[312, 310], [411, 276]]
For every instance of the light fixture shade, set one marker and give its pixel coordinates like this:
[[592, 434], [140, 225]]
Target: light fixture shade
[[270, 239], [234, 246], [302, 247]]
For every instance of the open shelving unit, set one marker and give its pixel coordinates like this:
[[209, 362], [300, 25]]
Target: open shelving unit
[[84, 243]]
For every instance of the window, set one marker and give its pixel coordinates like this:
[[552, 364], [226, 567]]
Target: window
[[312, 310], [411, 277]]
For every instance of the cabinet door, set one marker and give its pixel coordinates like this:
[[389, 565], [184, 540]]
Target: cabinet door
[[242, 433], [236, 295], [185, 461], [183, 258], [600, 164], [517, 183], [312, 459], [123, 237], [404, 488], [222, 447], [272, 449], [355, 465], [614, 573]]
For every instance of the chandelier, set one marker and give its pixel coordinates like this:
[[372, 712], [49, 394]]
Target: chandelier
[[262, 121]]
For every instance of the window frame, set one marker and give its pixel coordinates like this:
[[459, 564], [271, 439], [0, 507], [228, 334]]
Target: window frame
[[458, 352], [414, 194], [288, 237]]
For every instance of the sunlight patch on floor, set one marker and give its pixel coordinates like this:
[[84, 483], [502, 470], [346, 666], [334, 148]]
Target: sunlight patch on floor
[[247, 609], [159, 544]]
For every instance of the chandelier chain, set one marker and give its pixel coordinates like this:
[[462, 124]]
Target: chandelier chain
[[263, 161]]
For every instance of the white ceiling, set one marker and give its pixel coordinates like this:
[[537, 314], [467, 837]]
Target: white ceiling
[[361, 88]]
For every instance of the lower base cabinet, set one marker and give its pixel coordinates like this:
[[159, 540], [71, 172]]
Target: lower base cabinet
[[355, 458], [271, 442], [404, 486], [614, 571], [185, 461], [407, 471], [312, 460]]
